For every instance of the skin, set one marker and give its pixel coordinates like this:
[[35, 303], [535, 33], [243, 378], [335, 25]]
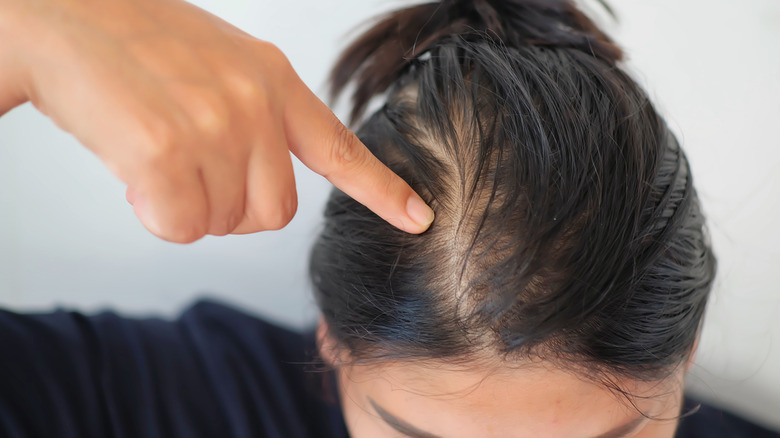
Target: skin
[[494, 400], [197, 117]]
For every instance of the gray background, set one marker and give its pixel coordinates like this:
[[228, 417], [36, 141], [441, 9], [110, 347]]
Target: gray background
[[68, 238]]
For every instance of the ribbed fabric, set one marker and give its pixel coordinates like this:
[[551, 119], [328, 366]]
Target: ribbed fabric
[[215, 372]]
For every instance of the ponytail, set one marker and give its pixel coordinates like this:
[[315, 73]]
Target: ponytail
[[383, 53]]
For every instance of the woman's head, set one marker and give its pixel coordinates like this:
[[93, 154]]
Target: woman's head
[[568, 242]]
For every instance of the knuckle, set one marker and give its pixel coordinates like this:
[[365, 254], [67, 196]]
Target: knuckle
[[160, 146], [275, 64], [272, 54], [188, 237], [345, 153], [244, 83], [276, 216], [226, 224], [209, 116], [289, 209], [282, 216], [186, 233], [248, 89]]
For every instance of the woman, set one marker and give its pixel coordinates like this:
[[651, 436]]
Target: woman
[[558, 293]]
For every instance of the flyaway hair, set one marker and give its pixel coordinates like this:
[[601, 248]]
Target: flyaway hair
[[567, 225]]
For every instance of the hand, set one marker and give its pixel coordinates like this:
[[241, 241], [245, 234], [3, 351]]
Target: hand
[[194, 115]]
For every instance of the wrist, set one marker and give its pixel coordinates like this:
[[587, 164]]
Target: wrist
[[28, 32]]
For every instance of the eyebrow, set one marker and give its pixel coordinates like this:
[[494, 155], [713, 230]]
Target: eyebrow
[[412, 431], [401, 425]]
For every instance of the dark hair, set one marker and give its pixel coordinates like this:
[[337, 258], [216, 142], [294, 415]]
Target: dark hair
[[567, 226]]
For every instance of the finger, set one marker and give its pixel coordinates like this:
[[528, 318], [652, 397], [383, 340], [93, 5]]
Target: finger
[[327, 147], [225, 183], [271, 198], [130, 195], [171, 202]]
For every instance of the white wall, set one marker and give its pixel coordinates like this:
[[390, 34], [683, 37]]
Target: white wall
[[68, 237]]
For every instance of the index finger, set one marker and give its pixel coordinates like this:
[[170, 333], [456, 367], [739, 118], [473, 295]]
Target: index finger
[[317, 137]]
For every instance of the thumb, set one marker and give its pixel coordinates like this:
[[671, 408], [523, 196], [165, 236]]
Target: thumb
[[326, 146]]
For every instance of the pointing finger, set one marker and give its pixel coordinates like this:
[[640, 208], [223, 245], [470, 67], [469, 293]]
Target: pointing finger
[[326, 146]]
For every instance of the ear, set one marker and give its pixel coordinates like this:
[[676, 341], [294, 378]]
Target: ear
[[326, 344]]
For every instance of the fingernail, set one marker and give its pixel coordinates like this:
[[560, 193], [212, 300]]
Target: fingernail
[[419, 211]]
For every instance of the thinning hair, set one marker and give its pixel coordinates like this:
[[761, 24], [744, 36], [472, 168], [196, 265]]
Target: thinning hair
[[567, 225]]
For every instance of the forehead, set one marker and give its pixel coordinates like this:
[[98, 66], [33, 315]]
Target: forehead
[[499, 402]]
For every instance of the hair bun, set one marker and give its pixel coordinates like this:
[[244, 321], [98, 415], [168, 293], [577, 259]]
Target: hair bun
[[379, 56], [537, 22]]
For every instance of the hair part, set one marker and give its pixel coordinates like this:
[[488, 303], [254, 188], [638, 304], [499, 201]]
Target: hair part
[[567, 226]]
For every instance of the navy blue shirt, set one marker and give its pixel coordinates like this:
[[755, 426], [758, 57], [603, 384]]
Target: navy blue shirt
[[215, 372]]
